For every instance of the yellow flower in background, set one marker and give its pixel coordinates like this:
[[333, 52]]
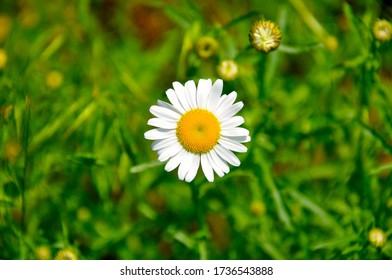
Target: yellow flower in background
[[3, 58], [43, 253], [5, 26], [228, 70], [66, 254], [206, 47], [258, 208], [265, 36], [382, 30], [199, 127], [377, 237], [54, 79]]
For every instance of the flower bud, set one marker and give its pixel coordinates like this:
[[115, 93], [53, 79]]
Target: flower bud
[[228, 70], [265, 36], [382, 30], [66, 254], [377, 237]]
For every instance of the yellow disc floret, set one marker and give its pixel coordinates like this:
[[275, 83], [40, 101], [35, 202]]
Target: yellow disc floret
[[198, 131]]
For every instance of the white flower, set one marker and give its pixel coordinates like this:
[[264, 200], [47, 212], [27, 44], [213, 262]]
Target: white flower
[[198, 128]]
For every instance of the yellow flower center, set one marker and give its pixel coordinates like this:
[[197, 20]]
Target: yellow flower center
[[198, 131]]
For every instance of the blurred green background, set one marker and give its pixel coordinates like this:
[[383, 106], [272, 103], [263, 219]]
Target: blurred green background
[[77, 79]]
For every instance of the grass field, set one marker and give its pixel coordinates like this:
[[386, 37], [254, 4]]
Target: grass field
[[79, 180]]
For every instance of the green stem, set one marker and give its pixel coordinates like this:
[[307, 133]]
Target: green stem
[[202, 240], [24, 179]]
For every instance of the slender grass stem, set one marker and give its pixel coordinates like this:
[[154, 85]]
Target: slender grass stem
[[24, 179], [202, 241]]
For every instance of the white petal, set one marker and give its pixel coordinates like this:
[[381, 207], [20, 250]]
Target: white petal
[[159, 133], [185, 165], [222, 100], [240, 139], [168, 106], [232, 122], [215, 167], [237, 131], [162, 123], [193, 169], [163, 143], [164, 113], [232, 145], [168, 152], [175, 161], [215, 95], [203, 90], [227, 155], [171, 94], [207, 168], [181, 95], [225, 103], [228, 113], [190, 87], [220, 162]]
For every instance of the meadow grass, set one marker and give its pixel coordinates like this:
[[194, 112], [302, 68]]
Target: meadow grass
[[76, 173]]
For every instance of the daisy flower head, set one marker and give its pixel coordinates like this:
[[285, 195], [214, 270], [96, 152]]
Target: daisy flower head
[[198, 128]]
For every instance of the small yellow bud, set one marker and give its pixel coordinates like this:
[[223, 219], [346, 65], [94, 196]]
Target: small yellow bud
[[206, 47], [83, 214], [43, 253], [331, 43], [382, 30], [265, 36], [12, 150], [377, 237], [54, 79], [228, 70], [3, 58], [66, 254], [389, 202], [257, 208]]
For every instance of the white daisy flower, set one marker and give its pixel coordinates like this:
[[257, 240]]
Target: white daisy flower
[[199, 127]]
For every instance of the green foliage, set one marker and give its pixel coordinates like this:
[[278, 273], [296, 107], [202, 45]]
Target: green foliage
[[76, 172]]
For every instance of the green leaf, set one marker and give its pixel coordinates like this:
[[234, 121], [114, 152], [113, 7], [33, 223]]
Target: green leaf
[[182, 237], [268, 181], [323, 216], [142, 167]]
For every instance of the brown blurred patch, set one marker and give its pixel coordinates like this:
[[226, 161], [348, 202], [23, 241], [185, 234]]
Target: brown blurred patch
[[165, 249], [156, 200], [105, 11], [374, 117], [343, 22], [150, 24], [384, 159], [5, 111], [12, 150], [219, 228], [386, 75], [319, 155]]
